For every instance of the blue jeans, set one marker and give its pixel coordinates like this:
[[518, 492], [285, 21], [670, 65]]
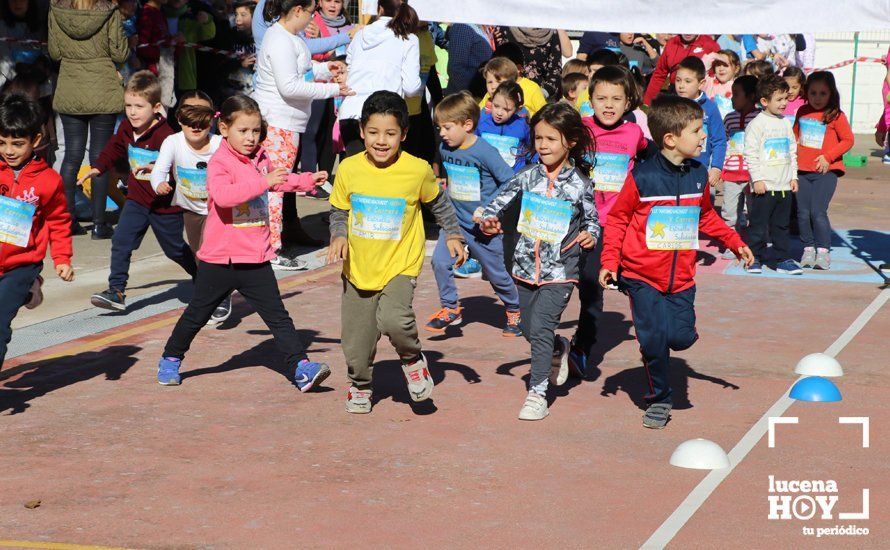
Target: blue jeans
[[100, 128], [15, 285], [131, 228], [814, 194], [488, 251]]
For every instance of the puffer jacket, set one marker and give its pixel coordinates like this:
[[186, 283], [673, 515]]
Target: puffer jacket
[[537, 261], [88, 43]]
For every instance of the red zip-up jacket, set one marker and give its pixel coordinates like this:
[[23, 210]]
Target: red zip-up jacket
[[40, 185], [659, 182], [138, 190], [675, 51]]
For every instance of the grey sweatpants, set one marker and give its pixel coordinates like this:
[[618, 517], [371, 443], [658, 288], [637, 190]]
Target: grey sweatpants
[[366, 315], [541, 308], [733, 202]]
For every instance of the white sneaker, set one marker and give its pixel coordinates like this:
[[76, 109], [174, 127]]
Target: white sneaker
[[809, 257], [358, 401], [420, 383], [823, 260], [283, 263], [559, 373], [35, 298], [728, 255], [534, 408]]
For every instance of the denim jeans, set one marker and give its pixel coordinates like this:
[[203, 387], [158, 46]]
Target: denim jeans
[[100, 128]]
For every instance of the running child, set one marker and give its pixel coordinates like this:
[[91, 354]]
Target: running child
[[651, 239], [33, 212], [475, 172], [138, 140], [504, 127], [823, 136], [377, 229], [236, 249], [690, 79], [558, 219]]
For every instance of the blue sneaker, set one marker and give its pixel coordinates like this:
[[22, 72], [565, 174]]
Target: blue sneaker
[[789, 267], [309, 375], [168, 371], [469, 270], [755, 267], [577, 362]]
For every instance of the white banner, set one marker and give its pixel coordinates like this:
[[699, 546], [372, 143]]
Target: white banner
[[668, 16]]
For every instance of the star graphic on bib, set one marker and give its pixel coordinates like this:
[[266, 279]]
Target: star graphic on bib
[[658, 230], [242, 209]]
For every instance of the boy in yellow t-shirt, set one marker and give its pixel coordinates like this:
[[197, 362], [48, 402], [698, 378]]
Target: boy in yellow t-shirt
[[501, 69], [377, 229]]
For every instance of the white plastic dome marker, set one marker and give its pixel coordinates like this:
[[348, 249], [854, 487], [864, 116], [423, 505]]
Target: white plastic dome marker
[[819, 364], [700, 454]]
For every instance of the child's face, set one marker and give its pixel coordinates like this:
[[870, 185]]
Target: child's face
[[776, 103], [609, 103], [300, 16], [331, 8], [550, 144], [627, 38], [243, 19], [18, 8], [491, 83], [454, 133], [688, 84], [127, 8], [818, 95], [195, 136], [502, 108], [740, 101], [690, 140], [723, 68], [243, 134], [793, 87], [139, 111], [16, 151], [382, 135]]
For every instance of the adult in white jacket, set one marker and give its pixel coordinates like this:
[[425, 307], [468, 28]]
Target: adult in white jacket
[[382, 56], [285, 88]]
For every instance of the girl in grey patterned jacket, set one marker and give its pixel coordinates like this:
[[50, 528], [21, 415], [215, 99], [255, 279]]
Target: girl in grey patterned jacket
[[557, 219]]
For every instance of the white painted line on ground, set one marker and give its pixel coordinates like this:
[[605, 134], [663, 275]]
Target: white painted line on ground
[[672, 525]]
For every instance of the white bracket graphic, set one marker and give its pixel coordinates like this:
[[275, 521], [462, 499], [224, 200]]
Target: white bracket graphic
[[857, 420], [772, 421], [860, 515]]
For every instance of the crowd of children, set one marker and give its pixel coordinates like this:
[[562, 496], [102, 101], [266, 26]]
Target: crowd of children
[[592, 189]]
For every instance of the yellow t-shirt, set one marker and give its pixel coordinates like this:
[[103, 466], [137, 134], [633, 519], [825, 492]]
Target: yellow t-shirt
[[386, 236], [427, 60], [534, 97]]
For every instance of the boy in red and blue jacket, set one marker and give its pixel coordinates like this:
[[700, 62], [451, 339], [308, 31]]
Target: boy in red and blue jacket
[[651, 238], [33, 214]]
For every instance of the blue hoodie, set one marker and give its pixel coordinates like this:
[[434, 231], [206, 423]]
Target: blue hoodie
[[714, 151], [511, 139]]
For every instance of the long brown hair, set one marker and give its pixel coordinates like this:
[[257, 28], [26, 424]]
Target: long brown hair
[[833, 108], [404, 19], [567, 122]]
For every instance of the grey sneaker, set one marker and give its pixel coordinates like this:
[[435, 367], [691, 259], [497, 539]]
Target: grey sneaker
[[728, 255], [657, 416], [358, 401], [559, 372], [809, 257], [283, 263], [823, 260], [420, 383], [534, 408]]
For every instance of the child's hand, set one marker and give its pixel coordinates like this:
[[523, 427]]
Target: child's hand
[[714, 176], [276, 177], [745, 256], [312, 30], [164, 188], [880, 137], [320, 178], [822, 164], [457, 251], [586, 240], [65, 272], [248, 61], [490, 226], [759, 187], [337, 250], [345, 90], [606, 277], [794, 186], [91, 174], [337, 67]]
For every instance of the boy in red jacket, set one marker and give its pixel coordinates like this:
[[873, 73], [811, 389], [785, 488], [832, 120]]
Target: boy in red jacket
[[676, 50], [651, 238], [33, 213]]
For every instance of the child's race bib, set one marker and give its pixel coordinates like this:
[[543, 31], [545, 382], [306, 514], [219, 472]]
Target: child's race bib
[[16, 218], [610, 171], [253, 213], [378, 218], [812, 133], [192, 182], [672, 228], [141, 158], [507, 146], [777, 151], [724, 105], [544, 218], [464, 182], [736, 143]]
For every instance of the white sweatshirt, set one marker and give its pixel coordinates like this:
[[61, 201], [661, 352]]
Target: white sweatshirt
[[379, 60], [771, 151], [189, 170], [285, 80]]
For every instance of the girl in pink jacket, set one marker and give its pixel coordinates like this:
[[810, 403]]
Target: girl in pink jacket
[[236, 246]]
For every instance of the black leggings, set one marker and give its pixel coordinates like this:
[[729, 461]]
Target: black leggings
[[76, 128]]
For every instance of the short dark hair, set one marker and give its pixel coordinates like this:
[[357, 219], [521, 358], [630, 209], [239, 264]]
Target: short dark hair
[[748, 84], [385, 102], [146, 85], [20, 117], [249, 4], [512, 52], [695, 65], [570, 83], [512, 91], [603, 57], [768, 86], [620, 76], [670, 114]]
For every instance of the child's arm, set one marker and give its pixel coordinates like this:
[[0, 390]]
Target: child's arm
[[506, 195], [656, 81], [590, 221], [304, 182], [446, 219], [792, 152], [500, 171], [227, 193], [339, 227], [844, 142], [58, 222], [114, 150], [291, 83], [160, 173], [713, 225]]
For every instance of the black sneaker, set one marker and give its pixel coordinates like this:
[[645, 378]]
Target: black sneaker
[[109, 299], [77, 229], [101, 231], [318, 193], [222, 312]]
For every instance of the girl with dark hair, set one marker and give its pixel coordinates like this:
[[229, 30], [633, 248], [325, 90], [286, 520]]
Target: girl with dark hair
[[504, 126]]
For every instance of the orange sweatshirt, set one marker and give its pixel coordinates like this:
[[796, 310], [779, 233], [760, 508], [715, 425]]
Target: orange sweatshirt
[[815, 138]]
